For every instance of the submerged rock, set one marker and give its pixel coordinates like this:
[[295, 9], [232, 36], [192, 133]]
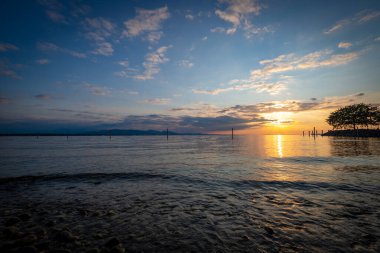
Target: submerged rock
[[112, 242], [24, 216], [117, 249], [11, 232], [60, 251], [269, 230], [28, 249], [65, 236], [94, 250], [12, 221]]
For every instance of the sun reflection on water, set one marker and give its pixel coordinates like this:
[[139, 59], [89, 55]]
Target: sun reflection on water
[[279, 146]]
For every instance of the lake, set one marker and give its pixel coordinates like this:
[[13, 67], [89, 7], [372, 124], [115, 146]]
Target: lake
[[264, 193]]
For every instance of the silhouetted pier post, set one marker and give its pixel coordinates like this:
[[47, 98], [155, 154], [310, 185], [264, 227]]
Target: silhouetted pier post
[[309, 133], [167, 133], [314, 131], [232, 133], [303, 133], [322, 133]]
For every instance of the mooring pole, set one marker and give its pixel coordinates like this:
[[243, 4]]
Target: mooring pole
[[322, 133], [303, 133], [309, 133], [232, 133], [314, 131]]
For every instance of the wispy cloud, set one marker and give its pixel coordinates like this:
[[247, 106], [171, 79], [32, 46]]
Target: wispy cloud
[[292, 105], [53, 10], [344, 45], [7, 69], [133, 93], [270, 78], [185, 64], [88, 115], [43, 96], [150, 65], [3, 100], [189, 17], [46, 46], [360, 18], [99, 30], [97, 90], [147, 22], [4, 47], [238, 13], [157, 101], [43, 61]]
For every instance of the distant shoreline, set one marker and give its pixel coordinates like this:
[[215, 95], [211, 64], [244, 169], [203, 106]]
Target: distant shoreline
[[113, 132], [354, 133]]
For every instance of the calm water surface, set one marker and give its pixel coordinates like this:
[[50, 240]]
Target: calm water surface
[[202, 193]]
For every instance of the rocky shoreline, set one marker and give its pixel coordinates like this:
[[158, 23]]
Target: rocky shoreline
[[354, 133]]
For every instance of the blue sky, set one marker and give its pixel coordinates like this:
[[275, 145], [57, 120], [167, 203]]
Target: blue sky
[[258, 66]]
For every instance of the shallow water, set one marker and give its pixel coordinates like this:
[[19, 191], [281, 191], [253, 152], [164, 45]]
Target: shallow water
[[200, 193]]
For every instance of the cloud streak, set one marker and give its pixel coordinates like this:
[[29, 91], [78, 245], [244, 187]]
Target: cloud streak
[[4, 47], [359, 19], [97, 90], [8, 70], [271, 77], [238, 13], [146, 22], [47, 46], [99, 30], [150, 65], [157, 101]]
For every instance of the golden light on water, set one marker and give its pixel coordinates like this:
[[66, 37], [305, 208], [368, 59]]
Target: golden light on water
[[279, 146]]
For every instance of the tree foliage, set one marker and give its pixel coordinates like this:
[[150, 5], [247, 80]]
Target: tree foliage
[[354, 116]]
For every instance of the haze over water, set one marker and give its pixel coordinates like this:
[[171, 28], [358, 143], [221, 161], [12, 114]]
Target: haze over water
[[200, 193]]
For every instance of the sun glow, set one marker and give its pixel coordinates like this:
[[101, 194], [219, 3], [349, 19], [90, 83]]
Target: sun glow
[[280, 119]]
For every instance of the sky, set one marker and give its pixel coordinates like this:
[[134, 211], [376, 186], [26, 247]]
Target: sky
[[260, 67]]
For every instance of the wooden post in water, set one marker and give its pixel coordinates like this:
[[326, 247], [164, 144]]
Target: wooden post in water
[[232, 133], [322, 133], [309, 133], [314, 131], [167, 134]]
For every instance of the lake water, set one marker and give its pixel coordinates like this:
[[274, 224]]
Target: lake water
[[198, 193]]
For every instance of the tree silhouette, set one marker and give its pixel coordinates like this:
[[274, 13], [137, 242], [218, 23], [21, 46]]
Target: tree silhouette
[[354, 116]]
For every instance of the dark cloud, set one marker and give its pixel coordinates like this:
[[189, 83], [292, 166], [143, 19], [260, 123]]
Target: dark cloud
[[360, 94], [186, 123], [3, 100], [313, 99], [43, 96]]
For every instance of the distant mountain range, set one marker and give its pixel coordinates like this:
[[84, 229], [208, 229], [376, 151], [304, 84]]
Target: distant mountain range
[[111, 132]]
